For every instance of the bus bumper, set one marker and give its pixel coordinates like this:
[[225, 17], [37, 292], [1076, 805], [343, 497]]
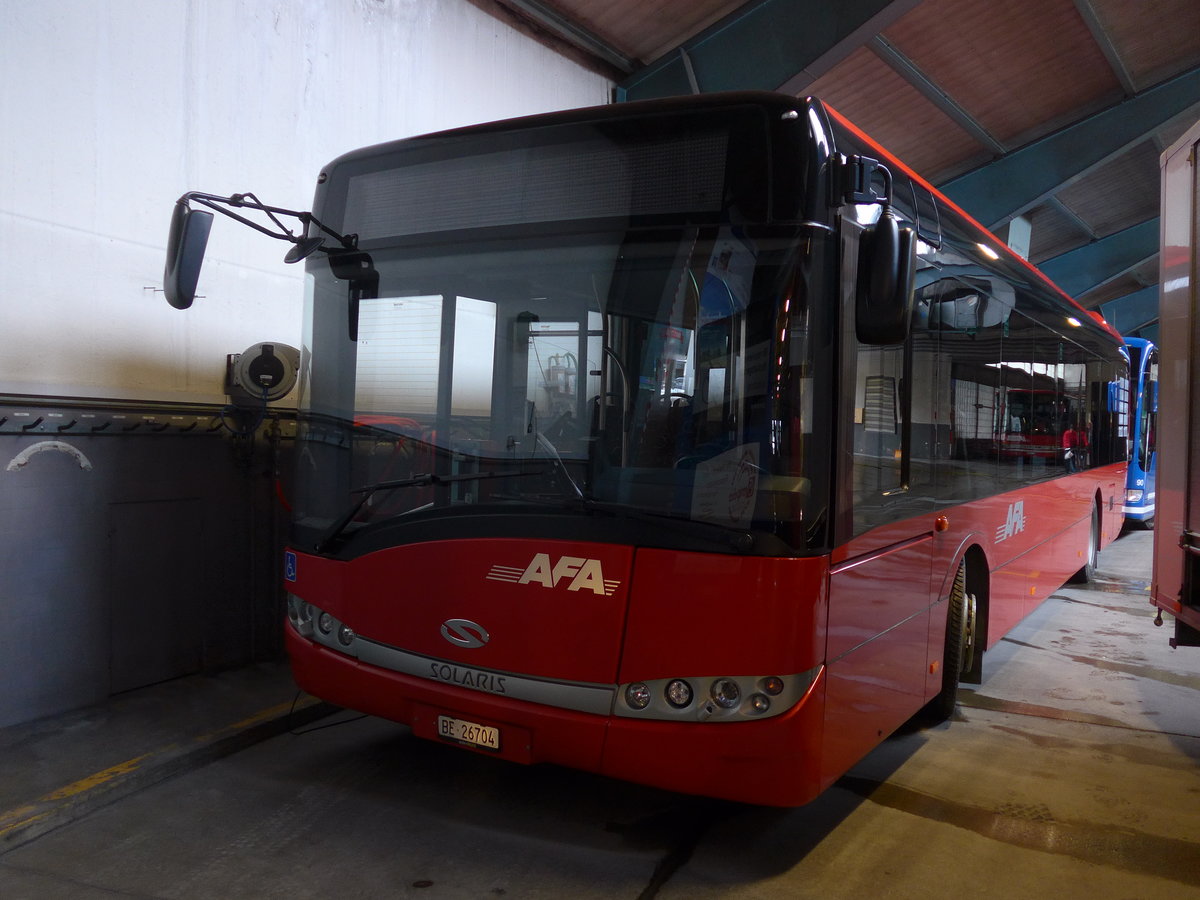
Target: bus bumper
[[772, 762]]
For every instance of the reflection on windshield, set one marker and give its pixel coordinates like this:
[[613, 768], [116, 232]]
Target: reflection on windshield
[[666, 373]]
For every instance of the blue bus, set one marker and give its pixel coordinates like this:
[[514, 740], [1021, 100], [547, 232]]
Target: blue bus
[[1143, 380]]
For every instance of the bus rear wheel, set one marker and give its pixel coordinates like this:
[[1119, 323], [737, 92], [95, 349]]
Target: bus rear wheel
[[959, 654]]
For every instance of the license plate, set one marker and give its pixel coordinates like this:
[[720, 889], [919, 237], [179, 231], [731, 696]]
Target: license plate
[[469, 733]]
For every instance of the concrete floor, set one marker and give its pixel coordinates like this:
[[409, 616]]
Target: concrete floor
[[1072, 771]]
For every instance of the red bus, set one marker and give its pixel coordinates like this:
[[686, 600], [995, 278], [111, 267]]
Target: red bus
[[1028, 424], [1176, 581], [1033, 423], [627, 441]]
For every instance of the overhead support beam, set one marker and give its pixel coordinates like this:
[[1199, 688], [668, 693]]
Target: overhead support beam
[[1015, 183], [1079, 271], [687, 68], [1104, 41], [1133, 312], [572, 33], [910, 72], [766, 45], [1073, 218]]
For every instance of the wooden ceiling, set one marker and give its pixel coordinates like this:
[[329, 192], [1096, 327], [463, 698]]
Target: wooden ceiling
[[952, 85]]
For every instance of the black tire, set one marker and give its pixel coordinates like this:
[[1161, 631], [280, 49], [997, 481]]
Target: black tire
[[959, 654], [1087, 572]]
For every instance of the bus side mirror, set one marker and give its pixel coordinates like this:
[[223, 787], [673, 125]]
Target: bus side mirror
[[359, 269], [886, 267], [185, 253]]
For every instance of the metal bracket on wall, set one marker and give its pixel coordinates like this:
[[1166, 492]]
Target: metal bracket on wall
[[95, 418]]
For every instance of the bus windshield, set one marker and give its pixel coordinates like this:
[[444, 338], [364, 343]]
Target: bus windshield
[[664, 372], [594, 321]]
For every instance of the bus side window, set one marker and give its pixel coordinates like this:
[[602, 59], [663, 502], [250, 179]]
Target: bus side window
[[971, 406], [1150, 411], [1017, 447], [895, 429], [878, 432], [1108, 424]]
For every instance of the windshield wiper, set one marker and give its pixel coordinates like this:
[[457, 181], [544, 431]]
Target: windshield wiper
[[540, 440], [553, 451], [741, 540], [369, 490]]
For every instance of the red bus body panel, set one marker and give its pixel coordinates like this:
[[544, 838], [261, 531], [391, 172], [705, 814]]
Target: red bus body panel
[[672, 614], [401, 596], [772, 762], [878, 640], [870, 619], [888, 587], [703, 613]]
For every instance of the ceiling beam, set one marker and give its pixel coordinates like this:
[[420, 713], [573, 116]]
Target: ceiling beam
[[1104, 41], [1085, 268], [768, 45], [1073, 217], [1017, 182], [929, 89], [573, 33], [1132, 312]]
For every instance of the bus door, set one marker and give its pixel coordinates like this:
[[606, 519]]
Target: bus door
[[879, 590]]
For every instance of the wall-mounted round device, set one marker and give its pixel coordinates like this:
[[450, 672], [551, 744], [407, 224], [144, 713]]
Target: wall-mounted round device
[[262, 373]]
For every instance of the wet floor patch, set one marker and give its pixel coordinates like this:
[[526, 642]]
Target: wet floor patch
[[976, 700], [1034, 827], [1132, 669], [1115, 586], [1135, 754], [1153, 673], [1147, 612]]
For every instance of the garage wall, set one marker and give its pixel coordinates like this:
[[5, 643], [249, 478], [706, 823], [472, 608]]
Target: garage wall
[[159, 556], [111, 110]]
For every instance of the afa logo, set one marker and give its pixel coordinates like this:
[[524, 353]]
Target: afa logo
[[575, 572], [1014, 524]]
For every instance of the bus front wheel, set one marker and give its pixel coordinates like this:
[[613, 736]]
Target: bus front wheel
[[1087, 572], [959, 654]]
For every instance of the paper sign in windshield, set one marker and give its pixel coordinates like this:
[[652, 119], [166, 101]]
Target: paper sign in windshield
[[726, 486]]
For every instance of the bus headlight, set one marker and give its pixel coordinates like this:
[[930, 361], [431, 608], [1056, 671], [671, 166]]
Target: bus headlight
[[300, 614], [325, 623], [678, 693], [1134, 495], [726, 693], [638, 695], [727, 698], [321, 627]]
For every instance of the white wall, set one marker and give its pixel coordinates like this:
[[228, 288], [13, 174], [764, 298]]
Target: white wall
[[110, 109]]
